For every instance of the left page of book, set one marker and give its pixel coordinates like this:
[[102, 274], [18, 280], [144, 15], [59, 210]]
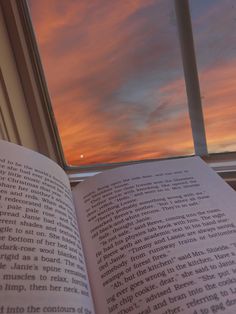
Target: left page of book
[[42, 267]]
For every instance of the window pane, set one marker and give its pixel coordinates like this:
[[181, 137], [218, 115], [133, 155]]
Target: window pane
[[214, 34], [115, 78]]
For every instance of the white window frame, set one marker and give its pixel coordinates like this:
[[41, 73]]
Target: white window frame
[[28, 118]]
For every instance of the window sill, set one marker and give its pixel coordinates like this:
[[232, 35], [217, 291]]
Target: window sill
[[223, 164]]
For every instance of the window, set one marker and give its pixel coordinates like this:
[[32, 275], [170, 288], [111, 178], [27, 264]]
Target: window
[[215, 42], [38, 111], [116, 66]]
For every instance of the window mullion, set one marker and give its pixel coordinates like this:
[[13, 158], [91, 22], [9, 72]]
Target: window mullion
[[191, 76]]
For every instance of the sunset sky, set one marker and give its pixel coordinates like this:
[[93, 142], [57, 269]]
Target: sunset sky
[[115, 77]]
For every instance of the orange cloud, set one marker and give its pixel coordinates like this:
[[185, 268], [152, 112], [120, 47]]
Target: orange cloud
[[219, 96], [116, 83]]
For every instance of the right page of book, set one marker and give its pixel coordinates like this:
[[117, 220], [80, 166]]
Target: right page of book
[[159, 237]]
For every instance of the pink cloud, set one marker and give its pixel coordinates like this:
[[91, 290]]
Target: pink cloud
[[90, 51]]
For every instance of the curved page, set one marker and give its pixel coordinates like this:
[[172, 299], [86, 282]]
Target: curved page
[[42, 267], [160, 238]]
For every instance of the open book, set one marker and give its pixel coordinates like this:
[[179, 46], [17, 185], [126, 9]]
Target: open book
[[155, 237]]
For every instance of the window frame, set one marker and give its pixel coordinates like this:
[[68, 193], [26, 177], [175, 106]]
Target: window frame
[[41, 117], [42, 134]]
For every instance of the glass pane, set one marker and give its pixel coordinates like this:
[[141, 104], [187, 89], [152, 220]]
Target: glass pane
[[115, 78], [214, 34]]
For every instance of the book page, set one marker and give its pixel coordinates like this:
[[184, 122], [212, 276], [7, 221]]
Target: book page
[[42, 267], [160, 238]]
